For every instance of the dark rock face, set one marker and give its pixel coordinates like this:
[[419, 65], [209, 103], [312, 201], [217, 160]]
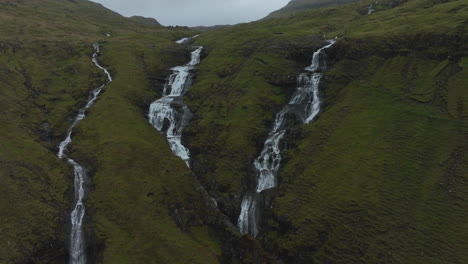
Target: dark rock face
[[427, 45], [393, 3], [51, 252], [46, 132]]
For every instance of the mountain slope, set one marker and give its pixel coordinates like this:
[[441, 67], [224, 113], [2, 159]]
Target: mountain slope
[[46, 75], [296, 6], [381, 176], [145, 20]]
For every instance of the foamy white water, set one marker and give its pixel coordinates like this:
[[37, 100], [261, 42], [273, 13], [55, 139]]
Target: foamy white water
[[77, 241], [169, 115], [185, 40], [305, 106], [250, 213], [371, 8]]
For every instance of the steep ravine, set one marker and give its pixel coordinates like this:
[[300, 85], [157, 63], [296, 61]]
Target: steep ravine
[[373, 97], [81, 178], [304, 106], [170, 115]]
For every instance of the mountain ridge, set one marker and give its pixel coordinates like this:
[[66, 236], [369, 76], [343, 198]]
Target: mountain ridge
[[296, 6]]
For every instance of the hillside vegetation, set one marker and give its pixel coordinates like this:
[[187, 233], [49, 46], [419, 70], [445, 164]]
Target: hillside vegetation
[[139, 188], [297, 6], [380, 177]]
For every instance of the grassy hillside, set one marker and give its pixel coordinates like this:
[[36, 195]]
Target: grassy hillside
[[386, 167], [147, 207], [381, 176], [297, 6], [145, 20]]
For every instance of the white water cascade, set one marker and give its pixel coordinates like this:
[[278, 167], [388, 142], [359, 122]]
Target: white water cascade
[[77, 241], [305, 106], [169, 115], [186, 40], [371, 8]]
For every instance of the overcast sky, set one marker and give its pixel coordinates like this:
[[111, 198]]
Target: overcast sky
[[196, 12]]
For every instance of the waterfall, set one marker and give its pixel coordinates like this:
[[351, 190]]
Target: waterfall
[[371, 8], [186, 40], [305, 106], [250, 214], [77, 241], [170, 115]]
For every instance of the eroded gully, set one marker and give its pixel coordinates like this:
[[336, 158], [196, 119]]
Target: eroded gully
[[305, 106], [170, 115], [77, 237]]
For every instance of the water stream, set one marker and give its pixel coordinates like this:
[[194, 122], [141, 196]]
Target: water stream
[[304, 106], [170, 115], [371, 8], [186, 40], [77, 241]]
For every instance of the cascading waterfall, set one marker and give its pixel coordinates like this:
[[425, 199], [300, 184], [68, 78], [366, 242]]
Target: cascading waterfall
[[169, 115], [185, 40], [77, 242], [305, 106], [371, 8]]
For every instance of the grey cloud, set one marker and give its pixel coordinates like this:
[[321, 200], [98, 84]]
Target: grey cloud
[[196, 12]]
